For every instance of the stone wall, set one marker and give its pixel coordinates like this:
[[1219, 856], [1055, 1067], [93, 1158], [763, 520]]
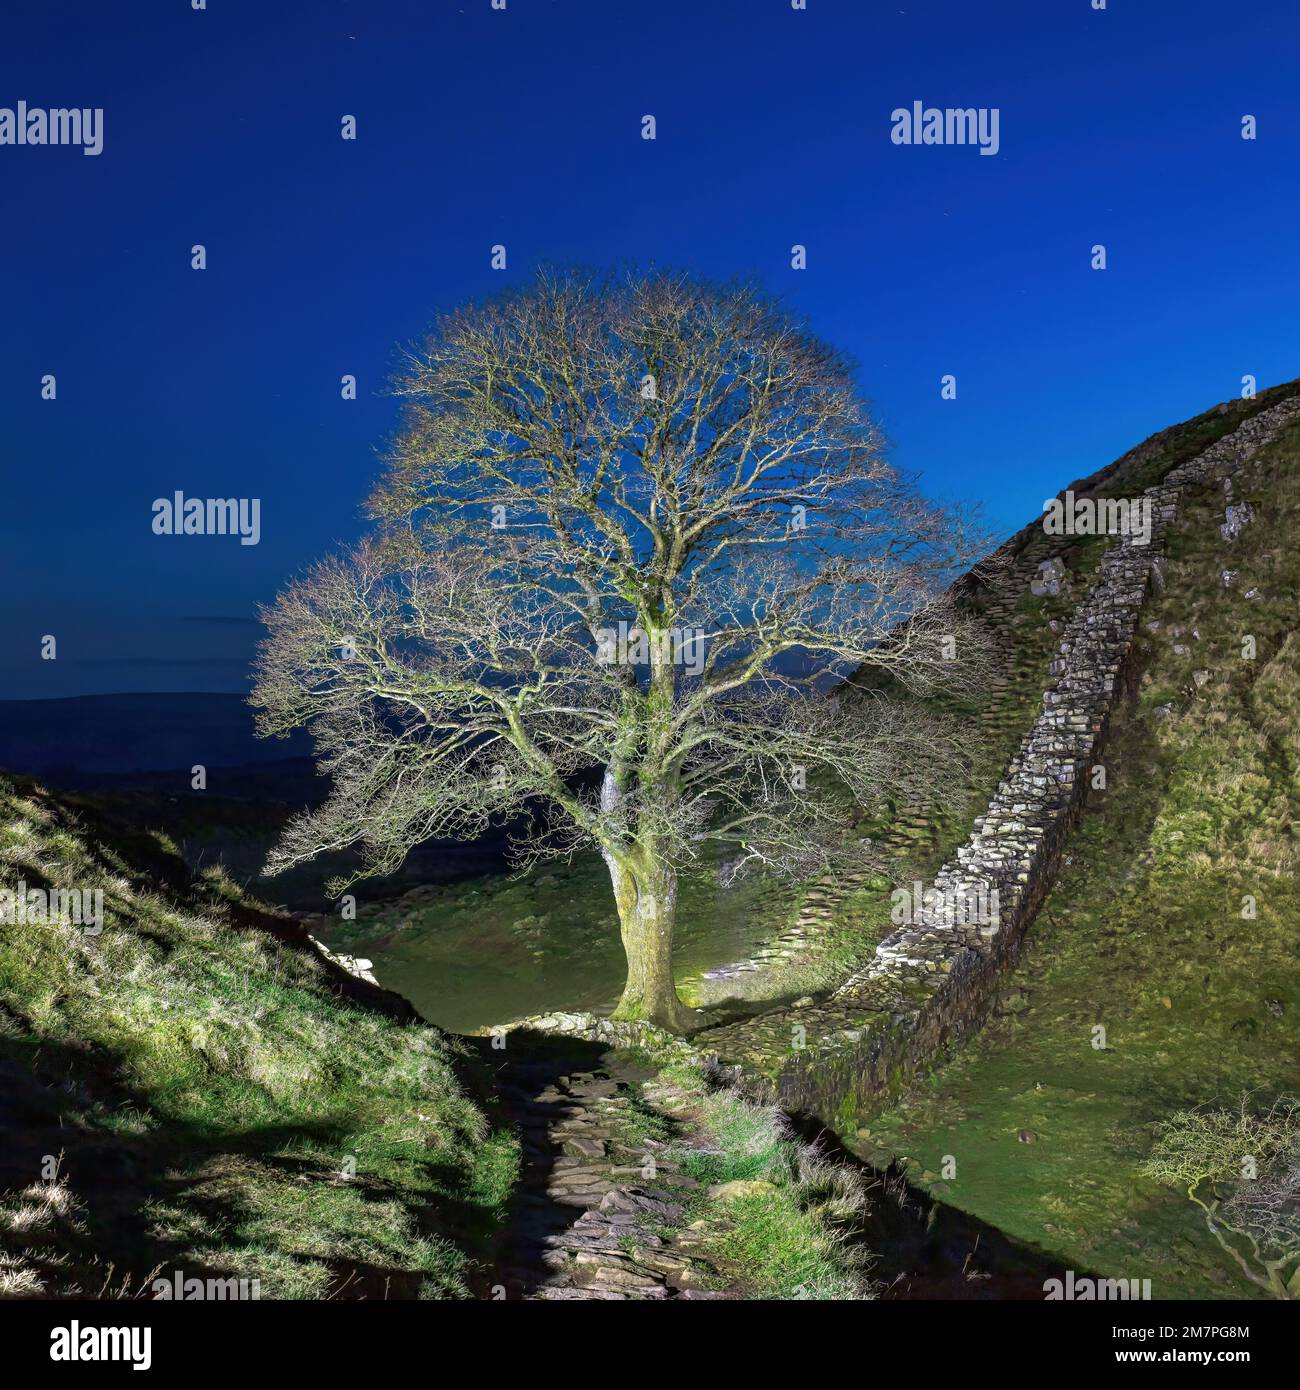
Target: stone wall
[[929, 983]]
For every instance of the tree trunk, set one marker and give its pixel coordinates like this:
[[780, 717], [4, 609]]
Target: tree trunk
[[647, 914]]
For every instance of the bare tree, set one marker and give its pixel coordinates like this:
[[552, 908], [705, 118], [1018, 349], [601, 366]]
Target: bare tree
[[633, 535], [1242, 1169]]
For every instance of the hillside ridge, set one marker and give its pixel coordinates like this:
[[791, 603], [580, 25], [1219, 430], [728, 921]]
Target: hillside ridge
[[928, 984]]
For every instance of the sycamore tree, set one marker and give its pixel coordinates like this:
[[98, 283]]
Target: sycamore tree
[[633, 535]]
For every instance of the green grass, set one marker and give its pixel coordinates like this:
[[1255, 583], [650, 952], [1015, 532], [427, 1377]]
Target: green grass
[[487, 951], [220, 1103], [787, 1237], [1144, 933]]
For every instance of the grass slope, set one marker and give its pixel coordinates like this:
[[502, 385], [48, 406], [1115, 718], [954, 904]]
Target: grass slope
[[194, 1089], [773, 1213], [1144, 933]]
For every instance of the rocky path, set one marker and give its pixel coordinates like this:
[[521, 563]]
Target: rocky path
[[601, 1208]]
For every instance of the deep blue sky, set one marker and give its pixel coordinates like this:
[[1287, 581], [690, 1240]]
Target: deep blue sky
[[523, 127]]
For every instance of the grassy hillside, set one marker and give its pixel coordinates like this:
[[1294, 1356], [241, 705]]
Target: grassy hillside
[[1144, 934], [194, 1089]]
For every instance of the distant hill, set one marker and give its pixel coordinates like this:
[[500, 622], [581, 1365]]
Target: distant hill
[[60, 740]]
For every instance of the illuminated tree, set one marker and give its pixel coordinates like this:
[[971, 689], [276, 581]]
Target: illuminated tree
[[632, 536]]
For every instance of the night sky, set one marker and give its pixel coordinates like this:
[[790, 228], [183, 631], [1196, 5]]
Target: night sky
[[523, 127]]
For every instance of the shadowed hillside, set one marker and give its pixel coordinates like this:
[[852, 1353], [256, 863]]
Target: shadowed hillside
[[189, 1089], [194, 1088]]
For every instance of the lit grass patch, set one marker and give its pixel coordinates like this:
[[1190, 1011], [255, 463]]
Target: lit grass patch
[[784, 1231]]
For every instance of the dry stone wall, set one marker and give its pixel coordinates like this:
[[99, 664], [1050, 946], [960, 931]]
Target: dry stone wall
[[929, 983]]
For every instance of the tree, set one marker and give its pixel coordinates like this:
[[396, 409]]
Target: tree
[[1242, 1169], [632, 535]]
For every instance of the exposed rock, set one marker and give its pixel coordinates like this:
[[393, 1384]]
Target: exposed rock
[[1236, 518], [354, 966], [1050, 575]]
